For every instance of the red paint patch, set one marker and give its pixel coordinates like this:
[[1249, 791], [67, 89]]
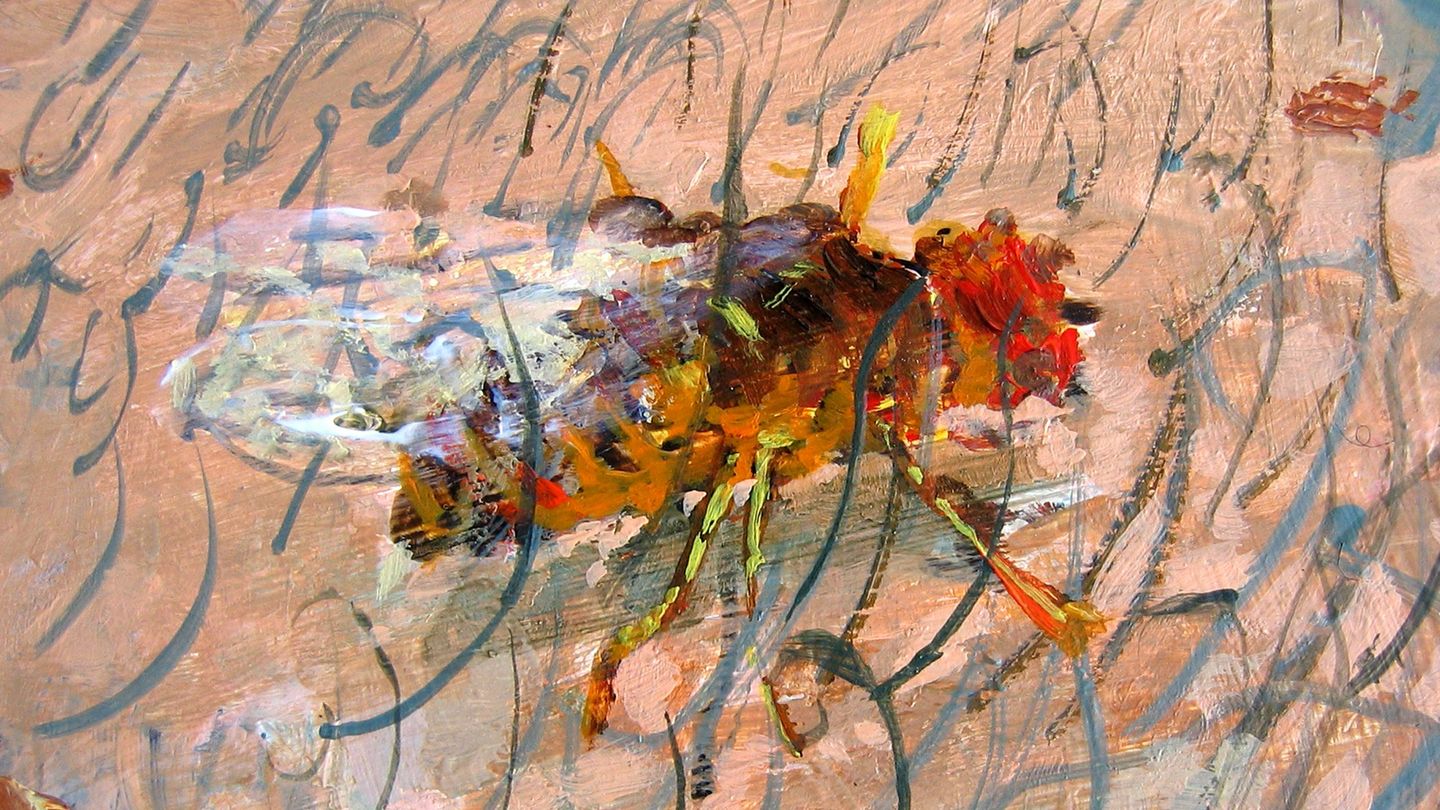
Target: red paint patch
[[1337, 106]]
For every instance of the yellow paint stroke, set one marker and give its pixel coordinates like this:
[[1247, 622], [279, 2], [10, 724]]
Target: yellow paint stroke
[[794, 743], [1069, 623], [876, 133], [600, 694], [797, 173], [737, 317], [619, 183]]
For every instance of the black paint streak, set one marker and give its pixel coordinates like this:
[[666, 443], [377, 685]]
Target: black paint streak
[[1162, 164], [679, 763], [141, 242], [1267, 374], [151, 120], [54, 175], [79, 404], [888, 530], [954, 154], [156, 782], [885, 705], [883, 328], [547, 64], [691, 31], [119, 42], [75, 21], [214, 301], [40, 272], [302, 488], [931, 652], [261, 20], [1262, 111], [1261, 481], [85, 594], [731, 184], [387, 668], [514, 723], [1102, 109], [1185, 603], [327, 123], [841, 6], [319, 29], [1387, 270], [1007, 108], [138, 303]]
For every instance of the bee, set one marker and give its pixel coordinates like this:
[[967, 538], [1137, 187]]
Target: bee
[[743, 355], [736, 362]]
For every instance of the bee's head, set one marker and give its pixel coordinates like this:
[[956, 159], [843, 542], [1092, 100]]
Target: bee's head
[[1001, 295]]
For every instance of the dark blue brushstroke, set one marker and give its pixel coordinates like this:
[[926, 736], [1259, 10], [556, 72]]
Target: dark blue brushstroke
[[878, 336], [91, 585], [151, 120], [175, 649]]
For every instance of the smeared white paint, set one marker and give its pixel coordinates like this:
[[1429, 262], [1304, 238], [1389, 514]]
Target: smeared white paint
[[323, 426], [871, 733], [741, 493], [1311, 357], [810, 482], [605, 535], [830, 747], [644, 683], [615, 776], [1155, 784], [395, 567], [1028, 420], [1055, 449], [690, 500], [595, 573], [1195, 567]]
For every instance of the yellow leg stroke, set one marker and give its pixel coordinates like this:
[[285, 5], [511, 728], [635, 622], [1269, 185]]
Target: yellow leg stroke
[[601, 692]]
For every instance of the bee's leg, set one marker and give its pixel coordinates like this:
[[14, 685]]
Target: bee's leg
[[1069, 623], [756, 516], [704, 522]]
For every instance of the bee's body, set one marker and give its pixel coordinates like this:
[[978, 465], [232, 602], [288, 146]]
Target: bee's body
[[737, 358], [725, 354]]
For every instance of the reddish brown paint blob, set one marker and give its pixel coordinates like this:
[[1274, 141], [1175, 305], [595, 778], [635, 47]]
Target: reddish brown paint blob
[[1338, 106]]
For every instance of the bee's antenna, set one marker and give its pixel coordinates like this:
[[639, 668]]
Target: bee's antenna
[[619, 183]]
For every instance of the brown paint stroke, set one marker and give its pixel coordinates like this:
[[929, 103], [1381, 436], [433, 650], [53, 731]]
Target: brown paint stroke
[[1336, 106], [15, 796]]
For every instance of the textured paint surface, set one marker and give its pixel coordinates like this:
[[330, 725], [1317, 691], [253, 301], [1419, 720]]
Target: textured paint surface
[[939, 403]]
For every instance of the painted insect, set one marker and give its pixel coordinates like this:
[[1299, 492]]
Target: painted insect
[[748, 374], [745, 354]]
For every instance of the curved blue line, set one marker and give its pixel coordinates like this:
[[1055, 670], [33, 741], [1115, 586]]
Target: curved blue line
[[1289, 523], [86, 593], [883, 328], [159, 668], [533, 451]]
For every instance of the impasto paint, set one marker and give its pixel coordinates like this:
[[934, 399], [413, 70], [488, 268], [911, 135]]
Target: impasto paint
[[943, 403]]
